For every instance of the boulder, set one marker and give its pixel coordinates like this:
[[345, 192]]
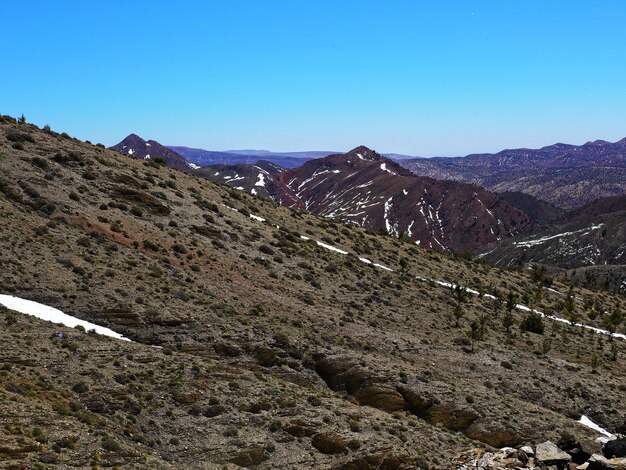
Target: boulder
[[600, 462], [329, 443], [615, 448], [495, 434], [417, 402], [549, 454], [250, 457], [331, 369], [301, 427], [379, 395], [451, 416]]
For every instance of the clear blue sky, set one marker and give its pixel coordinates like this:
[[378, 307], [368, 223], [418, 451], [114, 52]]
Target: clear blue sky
[[417, 77]]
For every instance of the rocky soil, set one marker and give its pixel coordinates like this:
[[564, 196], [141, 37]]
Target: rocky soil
[[256, 347]]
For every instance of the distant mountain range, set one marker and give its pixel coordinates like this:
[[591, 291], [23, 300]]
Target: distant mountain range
[[364, 188], [285, 159], [564, 175], [203, 157]]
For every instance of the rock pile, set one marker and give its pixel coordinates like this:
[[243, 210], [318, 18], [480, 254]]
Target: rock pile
[[546, 455]]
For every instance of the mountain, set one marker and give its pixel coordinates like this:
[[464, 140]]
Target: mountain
[[268, 337], [539, 211], [561, 174], [594, 234], [233, 157], [366, 189], [149, 150], [255, 179], [249, 156]]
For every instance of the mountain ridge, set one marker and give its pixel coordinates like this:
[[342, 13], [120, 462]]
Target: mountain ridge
[[556, 173]]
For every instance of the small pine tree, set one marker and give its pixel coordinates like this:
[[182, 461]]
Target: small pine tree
[[595, 363], [474, 332], [570, 306], [21, 119], [458, 314]]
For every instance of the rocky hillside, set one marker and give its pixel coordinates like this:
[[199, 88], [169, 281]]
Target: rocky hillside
[[539, 211], [368, 190], [267, 337], [137, 147], [591, 235], [256, 179], [561, 174]]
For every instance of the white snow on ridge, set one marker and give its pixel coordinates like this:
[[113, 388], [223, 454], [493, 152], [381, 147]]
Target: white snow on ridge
[[331, 248], [193, 166], [383, 166], [51, 314], [539, 241], [130, 151]]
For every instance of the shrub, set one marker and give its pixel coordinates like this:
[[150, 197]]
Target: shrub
[[39, 162], [533, 324], [80, 387], [20, 137]]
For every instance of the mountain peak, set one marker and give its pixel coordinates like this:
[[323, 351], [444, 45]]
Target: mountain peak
[[133, 138], [137, 147], [598, 142], [364, 153]]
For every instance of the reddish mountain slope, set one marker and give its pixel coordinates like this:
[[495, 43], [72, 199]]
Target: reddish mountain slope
[[594, 234], [363, 188]]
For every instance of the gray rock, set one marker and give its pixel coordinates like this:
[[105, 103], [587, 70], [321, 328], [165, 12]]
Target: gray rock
[[549, 454], [600, 462]]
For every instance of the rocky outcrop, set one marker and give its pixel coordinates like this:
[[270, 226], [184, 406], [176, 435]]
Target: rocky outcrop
[[380, 395], [546, 455], [493, 433]]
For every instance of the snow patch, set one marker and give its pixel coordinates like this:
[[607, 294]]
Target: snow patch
[[51, 314], [383, 166], [261, 181], [539, 241], [591, 425]]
